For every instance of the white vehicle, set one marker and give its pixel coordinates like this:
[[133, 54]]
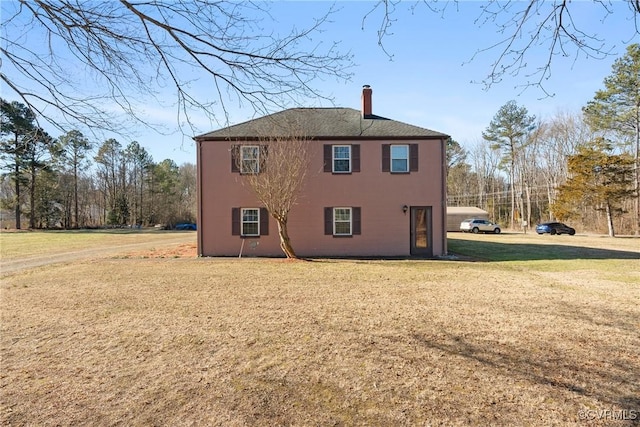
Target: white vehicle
[[479, 226]]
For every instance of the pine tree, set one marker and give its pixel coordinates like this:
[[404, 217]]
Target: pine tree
[[18, 123], [74, 157], [38, 149], [598, 179], [615, 111], [507, 132]]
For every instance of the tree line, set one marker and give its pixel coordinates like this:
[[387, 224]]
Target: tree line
[[580, 167], [72, 182], [576, 167]]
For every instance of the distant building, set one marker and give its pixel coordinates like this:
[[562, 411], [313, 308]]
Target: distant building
[[457, 214]]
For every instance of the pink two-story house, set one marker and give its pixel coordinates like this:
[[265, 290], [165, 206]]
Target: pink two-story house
[[375, 187]]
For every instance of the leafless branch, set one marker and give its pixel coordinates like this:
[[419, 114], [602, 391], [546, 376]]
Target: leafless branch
[[526, 26], [87, 61]]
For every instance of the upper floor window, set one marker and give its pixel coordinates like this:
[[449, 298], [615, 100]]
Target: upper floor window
[[249, 159], [342, 158], [399, 158]]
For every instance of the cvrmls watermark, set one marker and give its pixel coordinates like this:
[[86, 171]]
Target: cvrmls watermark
[[609, 414]]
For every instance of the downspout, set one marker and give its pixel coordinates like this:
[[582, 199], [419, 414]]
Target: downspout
[[443, 151], [199, 219]]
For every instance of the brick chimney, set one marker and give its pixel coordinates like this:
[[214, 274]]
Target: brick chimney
[[366, 101]]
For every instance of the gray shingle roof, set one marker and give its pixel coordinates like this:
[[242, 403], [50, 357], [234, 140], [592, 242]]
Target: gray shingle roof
[[322, 123]]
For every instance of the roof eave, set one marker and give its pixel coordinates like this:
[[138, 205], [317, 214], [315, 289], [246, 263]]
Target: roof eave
[[328, 138]]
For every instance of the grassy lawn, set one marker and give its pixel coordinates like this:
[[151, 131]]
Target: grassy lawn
[[33, 243], [530, 247], [531, 330]]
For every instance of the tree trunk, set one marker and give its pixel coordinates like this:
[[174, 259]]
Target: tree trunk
[[285, 242], [32, 197], [609, 219], [17, 182], [636, 184], [75, 194], [513, 197], [550, 200], [527, 193]]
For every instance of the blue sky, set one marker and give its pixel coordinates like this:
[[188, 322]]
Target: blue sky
[[434, 78]]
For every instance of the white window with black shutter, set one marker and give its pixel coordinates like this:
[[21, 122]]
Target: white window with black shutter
[[249, 222], [248, 159], [342, 221], [399, 158], [342, 159]]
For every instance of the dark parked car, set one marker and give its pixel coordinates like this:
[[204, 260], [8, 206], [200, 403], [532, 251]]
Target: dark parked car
[[185, 226], [555, 228]]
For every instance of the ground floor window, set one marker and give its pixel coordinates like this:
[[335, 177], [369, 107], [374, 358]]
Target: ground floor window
[[250, 222], [342, 221]]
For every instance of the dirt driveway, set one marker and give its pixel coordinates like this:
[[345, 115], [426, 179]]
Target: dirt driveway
[[168, 242]]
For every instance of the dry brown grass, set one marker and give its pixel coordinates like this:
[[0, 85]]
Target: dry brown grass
[[147, 339]]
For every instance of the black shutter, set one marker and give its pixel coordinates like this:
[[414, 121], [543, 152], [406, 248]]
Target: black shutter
[[328, 221], [264, 222], [328, 156], [235, 158], [357, 227], [386, 157], [235, 221], [355, 158], [413, 157]]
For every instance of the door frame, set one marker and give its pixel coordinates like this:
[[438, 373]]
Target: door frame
[[428, 212]]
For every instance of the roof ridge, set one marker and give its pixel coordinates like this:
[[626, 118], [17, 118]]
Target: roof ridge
[[339, 122]]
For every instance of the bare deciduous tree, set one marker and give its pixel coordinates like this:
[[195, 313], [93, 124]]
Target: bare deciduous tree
[[278, 178], [563, 133], [129, 50]]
